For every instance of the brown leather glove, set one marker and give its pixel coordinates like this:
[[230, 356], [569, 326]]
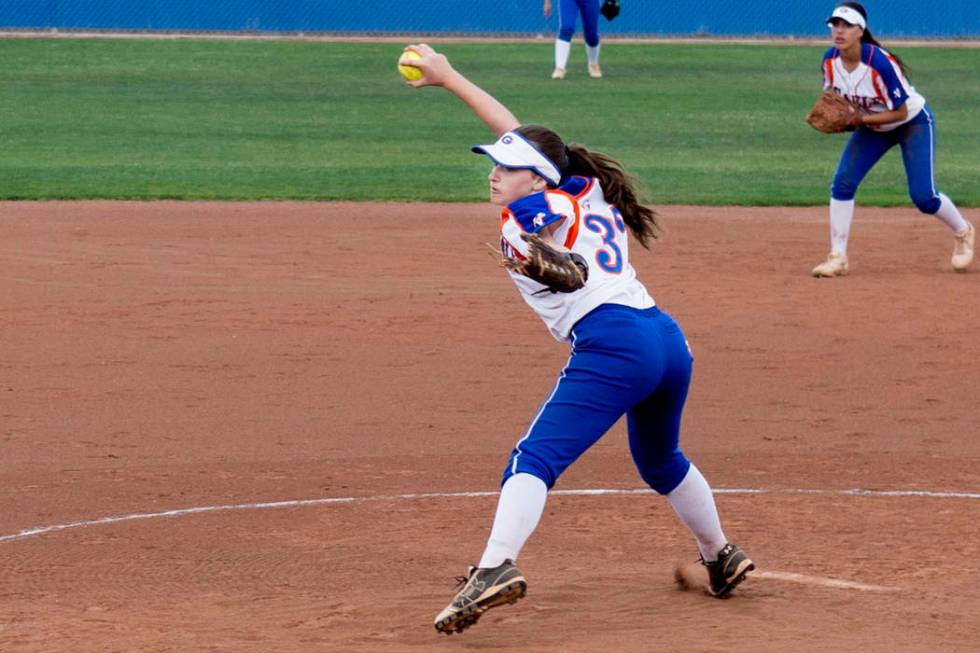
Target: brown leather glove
[[559, 271], [832, 114]]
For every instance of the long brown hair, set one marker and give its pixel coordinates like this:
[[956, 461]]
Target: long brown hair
[[867, 37], [617, 185]]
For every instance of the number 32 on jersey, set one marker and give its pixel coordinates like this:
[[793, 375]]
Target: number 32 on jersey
[[609, 255]]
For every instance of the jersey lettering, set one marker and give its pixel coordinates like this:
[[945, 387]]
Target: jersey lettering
[[874, 86]]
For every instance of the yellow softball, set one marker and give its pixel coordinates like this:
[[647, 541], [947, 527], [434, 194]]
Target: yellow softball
[[410, 73]]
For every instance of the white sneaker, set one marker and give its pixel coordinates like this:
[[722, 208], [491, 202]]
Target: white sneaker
[[594, 70], [834, 266], [558, 74], [963, 251]]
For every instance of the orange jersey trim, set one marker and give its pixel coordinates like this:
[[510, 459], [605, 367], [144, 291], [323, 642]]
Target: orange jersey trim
[[573, 230], [587, 189], [506, 215], [875, 78]]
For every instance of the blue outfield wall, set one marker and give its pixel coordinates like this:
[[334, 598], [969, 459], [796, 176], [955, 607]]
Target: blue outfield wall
[[896, 18]]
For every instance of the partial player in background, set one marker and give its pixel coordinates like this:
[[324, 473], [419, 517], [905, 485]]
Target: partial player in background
[[567, 213], [568, 12], [892, 113]]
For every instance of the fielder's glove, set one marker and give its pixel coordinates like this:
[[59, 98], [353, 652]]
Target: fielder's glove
[[559, 271], [832, 113], [610, 9]]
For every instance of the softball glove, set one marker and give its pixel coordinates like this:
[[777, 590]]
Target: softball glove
[[610, 9], [831, 114], [559, 271]]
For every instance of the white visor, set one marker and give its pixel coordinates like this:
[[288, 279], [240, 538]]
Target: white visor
[[849, 15], [514, 151]]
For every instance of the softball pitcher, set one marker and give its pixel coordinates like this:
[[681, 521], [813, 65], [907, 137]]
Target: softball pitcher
[[627, 356], [568, 13], [892, 113]]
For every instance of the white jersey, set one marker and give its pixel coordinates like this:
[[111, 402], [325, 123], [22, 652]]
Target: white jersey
[[876, 85], [587, 225]]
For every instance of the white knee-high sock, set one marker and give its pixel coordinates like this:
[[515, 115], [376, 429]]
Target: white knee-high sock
[[592, 52], [951, 215], [841, 214], [562, 48], [695, 505], [519, 509]]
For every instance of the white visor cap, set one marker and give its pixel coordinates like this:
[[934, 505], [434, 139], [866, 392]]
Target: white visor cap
[[514, 151], [849, 15]]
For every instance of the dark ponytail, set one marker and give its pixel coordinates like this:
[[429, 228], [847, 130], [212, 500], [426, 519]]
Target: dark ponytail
[[617, 185], [869, 38]]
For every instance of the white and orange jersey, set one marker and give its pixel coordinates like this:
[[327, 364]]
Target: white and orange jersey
[[587, 225], [876, 85]]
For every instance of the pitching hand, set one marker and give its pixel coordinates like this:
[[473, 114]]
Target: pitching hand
[[435, 67]]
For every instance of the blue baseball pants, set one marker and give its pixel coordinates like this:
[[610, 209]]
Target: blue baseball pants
[[917, 138], [568, 11], [624, 361]]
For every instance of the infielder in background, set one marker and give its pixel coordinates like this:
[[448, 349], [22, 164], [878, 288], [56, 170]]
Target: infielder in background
[[568, 11], [891, 113], [627, 356]]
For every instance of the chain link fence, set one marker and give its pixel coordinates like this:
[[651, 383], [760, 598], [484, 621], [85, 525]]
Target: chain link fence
[[724, 18]]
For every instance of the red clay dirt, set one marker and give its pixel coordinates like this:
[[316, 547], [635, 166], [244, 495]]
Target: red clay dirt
[[370, 359]]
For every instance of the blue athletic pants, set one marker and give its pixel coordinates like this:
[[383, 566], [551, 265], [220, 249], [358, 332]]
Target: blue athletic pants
[[568, 11], [624, 360], [917, 138]]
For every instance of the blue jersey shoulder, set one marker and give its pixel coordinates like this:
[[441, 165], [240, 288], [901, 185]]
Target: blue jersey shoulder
[[532, 212], [831, 53], [881, 64], [878, 59], [575, 185]]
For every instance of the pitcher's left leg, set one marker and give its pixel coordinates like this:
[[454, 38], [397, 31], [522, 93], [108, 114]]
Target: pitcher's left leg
[[918, 142], [654, 432]]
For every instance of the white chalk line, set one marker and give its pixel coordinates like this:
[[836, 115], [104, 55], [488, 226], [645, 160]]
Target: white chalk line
[[773, 575], [824, 582], [102, 521]]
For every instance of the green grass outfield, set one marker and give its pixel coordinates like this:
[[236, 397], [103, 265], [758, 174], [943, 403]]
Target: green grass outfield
[[236, 119]]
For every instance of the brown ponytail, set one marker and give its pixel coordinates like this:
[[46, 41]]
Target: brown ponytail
[[617, 185]]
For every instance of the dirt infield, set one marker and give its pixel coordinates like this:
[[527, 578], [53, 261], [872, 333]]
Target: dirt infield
[[184, 366]]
